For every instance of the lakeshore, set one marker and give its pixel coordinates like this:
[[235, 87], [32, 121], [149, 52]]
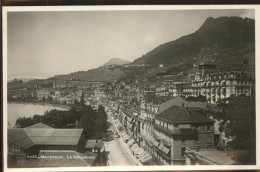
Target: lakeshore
[[26, 109], [41, 103]]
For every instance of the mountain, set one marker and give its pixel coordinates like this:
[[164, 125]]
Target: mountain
[[226, 41], [98, 74], [116, 61]]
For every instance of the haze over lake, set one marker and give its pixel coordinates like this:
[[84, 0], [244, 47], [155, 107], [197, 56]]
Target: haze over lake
[[16, 110]]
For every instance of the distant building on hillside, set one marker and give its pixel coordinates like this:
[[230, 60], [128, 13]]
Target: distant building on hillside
[[214, 86], [217, 86], [207, 68]]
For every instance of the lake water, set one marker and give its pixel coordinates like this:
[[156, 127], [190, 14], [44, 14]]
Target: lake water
[[16, 110]]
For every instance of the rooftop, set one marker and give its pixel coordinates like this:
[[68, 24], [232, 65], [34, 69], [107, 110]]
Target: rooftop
[[177, 114], [27, 137], [39, 125]]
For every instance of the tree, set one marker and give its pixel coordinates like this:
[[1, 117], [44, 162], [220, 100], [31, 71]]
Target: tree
[[82, 101], [238, 115], [24, 122], [49, 99]]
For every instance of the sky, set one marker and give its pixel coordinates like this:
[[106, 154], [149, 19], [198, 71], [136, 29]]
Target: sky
[[44, 44]]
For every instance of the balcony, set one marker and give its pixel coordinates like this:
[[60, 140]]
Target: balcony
[[165, 130], [190, 130]]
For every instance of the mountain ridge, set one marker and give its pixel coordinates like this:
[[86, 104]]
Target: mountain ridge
[[216, 33], [228, 42], [116, 61]]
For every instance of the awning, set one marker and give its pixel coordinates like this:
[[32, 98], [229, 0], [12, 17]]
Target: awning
[[155, 143], [161, 146], [165, 150], [130, 142], [143, 154], [127, 137], [134, 147], [138, 151], [146, 160]]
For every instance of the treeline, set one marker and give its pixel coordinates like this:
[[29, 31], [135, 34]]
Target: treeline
[[93, 122], [54, 118]]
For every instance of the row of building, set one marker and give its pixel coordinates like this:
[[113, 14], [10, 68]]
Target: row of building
[[214, 86], [173, 130]]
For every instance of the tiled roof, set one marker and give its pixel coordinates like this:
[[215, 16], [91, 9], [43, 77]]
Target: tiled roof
[[27, 137], [177, 101], [91, 144], [177, 114], [19, 137], [39, 125], [212, 107], [54, 136]]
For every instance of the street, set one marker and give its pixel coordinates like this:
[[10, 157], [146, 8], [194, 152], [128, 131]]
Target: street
[[117, 156]]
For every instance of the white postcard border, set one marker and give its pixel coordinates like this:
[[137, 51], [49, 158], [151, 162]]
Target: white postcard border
[[119, 8]]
